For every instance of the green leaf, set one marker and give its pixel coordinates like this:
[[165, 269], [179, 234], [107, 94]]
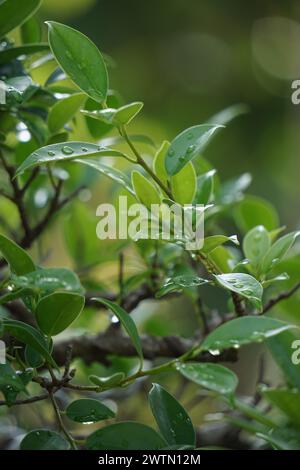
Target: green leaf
[[282, 439], [107, 382], [281, 350], [88, 410], [159, 162], [228, 114], [288, 401], [178, 283], [64, 110], [173, 421], [243, 284], [245, 330], [65, 151], [29, 336], [14, 52], [43, 439], [108, 171], [13, 13], [145, 191], [211, 376], [31, 31], [79, 57], [32, 358], [125, 436], [232, 191], [278, 250], [19, 261], [127, 323], [205, 185], [253, 211], [187, 145], [117, 117], [210, 243], [10, 383], [184, 185], [55, 312], [45, 281], [256, 244]]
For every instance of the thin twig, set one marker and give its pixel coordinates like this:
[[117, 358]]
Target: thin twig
[[280, 297]]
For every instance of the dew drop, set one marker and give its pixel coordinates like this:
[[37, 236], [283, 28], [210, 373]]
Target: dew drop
[[84, 149], [182, 158], [67, 150], [51, 153], [69, 55], [171, 152], [190, 148], [189, 136]]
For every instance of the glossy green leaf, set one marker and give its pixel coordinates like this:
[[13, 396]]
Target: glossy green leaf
[[187, 145], [29, 336], [288, 401], [108, 171], [256, 244], [48, 280], [212, 242], [79, 57], [13, 13], [211, 376], [222, 259], [228, 114], [173, 421], [205, 185], [159, 162], [243, 284], [55, 312], [179, 283], [14, 52], [17, 258], [253, 211], [145, 191], [127, 323], [241, 331], [64, 110], [117, 117], [107, 382], [125, 436], [32, 358], [88, 410], [43, 439], [278, 250], [184, 185], [232, 191], [281, 348], [65, 151], [10, 383]]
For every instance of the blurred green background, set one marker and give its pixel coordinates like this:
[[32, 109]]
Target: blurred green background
[[188, 60]]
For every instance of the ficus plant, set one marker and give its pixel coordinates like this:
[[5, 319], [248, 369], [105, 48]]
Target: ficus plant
[[63, 129]]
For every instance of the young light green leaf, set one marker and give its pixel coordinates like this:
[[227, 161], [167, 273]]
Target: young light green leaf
[[55, 312], [243, 284], [187, 145], [117, 117], [145, 191], [205, 185], [212, 242], [13, 13], [127, 323], [184, 184], [88, 410], [211, 376], [79, 57], [125, 436], [244, 330], [256, 244], [173, 421], [253, 211], [278, 250], [107, 382], [43, 439], [29, 336], [108, 171], [64, 110], [159, 162], [65, 151], [179, 283], [18, 259]]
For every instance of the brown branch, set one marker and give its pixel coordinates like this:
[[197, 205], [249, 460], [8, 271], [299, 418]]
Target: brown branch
[[280, 297], [26, 401]]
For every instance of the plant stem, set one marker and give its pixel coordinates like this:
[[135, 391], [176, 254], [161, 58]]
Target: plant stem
[[60, 422]]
